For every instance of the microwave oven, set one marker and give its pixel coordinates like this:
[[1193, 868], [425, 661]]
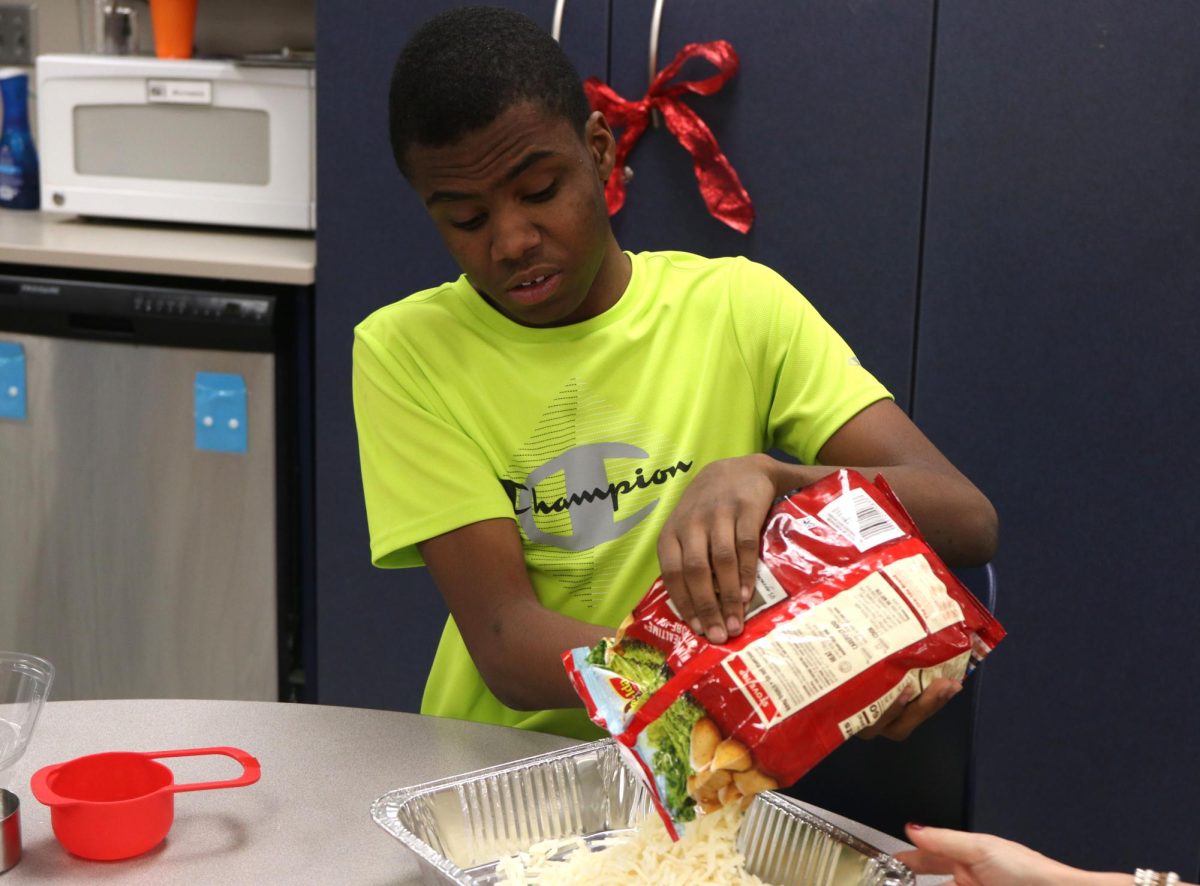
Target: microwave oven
[[189, 140]]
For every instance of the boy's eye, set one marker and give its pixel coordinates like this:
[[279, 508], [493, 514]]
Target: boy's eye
[[544, 194], [469, 224]]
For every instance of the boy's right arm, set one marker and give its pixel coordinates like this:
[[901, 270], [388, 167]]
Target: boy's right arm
[[515, 642]]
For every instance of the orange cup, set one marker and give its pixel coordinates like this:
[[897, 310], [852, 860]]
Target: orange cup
[[174, 24]]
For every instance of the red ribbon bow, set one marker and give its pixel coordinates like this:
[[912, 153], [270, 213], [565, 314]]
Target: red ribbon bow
[[720, 186]]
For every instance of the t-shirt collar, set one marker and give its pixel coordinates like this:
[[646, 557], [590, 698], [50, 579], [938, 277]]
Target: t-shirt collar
[[497, 321]]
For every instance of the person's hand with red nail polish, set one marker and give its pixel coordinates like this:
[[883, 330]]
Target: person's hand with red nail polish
[[985, 860]]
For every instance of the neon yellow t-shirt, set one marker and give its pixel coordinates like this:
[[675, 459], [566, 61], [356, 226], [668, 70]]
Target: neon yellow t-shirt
[[585, 435]]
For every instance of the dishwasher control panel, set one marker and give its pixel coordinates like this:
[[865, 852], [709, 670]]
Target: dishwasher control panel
[[192, 306], [150, 315]]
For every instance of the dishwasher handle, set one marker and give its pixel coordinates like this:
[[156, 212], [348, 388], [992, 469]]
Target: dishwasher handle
[[101, 325]]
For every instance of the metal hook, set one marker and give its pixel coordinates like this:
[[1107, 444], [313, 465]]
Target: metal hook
[[655, 27], [556, 26]]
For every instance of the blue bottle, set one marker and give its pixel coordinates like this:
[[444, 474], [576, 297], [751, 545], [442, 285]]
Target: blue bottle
[[19, 188]]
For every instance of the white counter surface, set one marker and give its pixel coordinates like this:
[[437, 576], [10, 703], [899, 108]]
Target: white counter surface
[[63, 241]]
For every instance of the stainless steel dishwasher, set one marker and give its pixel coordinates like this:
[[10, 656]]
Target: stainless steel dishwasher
[[147, 489]]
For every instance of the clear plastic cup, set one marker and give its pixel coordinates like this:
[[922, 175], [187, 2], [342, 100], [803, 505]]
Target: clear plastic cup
[[24, 684]]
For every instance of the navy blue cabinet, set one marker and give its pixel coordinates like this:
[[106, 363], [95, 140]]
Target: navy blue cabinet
[[825, 124], [1057, 365]]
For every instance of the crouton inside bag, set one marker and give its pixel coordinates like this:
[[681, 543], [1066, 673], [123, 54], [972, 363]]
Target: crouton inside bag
[[851, 606]]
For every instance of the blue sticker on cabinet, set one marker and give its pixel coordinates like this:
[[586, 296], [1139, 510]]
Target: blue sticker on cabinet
[[12, 381], [220, 412]]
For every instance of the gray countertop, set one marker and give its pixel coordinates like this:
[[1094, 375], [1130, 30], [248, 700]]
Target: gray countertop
[[306, 821], [62, 241]]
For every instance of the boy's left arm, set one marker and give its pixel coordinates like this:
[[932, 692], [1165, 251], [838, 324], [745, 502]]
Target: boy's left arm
[[708, 549], [956, 519]]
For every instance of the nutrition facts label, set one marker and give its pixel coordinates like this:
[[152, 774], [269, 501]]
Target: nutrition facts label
[[955, 669], [822, 648], [927, 593]]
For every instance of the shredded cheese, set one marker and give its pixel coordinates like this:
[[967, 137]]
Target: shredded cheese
[[705, 854]]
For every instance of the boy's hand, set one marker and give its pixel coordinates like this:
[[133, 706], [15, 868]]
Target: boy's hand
[[910, 710], [708, 548]]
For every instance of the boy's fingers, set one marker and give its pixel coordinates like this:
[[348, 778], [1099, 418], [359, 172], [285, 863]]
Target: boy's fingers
[[670, 560], [891, 715], [728, 579], [697, 576], [921, 708], [747, 552]]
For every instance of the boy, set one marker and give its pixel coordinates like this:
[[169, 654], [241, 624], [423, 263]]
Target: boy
[[566, 420]]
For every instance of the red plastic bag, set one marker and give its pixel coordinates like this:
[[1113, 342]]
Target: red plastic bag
[[850, 607]]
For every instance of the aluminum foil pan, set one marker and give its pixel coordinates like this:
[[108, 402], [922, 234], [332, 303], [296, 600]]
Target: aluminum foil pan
[[460, 827]]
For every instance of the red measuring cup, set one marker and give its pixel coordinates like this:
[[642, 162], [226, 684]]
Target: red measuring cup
[[121, 804]]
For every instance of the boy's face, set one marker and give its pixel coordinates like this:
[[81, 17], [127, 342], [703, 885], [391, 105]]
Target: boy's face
[[520, 205]]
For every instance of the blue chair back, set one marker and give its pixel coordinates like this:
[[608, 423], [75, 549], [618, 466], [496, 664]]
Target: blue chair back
[[927, 778]]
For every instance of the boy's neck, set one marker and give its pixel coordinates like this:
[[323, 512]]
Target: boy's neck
[[614, 275]]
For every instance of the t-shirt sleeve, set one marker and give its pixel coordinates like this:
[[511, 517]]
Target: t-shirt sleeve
[[808, 382], [422, 476]]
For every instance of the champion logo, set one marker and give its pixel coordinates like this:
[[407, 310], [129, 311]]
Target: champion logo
[[611, 493], [592, 500]]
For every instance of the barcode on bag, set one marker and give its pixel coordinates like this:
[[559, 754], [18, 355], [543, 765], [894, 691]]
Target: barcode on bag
[[860, 519]]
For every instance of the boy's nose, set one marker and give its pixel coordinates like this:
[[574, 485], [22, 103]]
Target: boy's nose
[[513, 236]]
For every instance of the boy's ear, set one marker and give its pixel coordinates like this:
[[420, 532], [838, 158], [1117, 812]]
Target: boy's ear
[[602, 144]]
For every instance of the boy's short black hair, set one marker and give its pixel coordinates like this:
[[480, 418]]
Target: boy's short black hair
[[465, 67]]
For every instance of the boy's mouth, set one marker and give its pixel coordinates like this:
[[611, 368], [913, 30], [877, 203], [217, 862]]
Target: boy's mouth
[[535, 289]]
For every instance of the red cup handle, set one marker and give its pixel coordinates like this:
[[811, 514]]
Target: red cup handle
[[251, 770], [40, 785]]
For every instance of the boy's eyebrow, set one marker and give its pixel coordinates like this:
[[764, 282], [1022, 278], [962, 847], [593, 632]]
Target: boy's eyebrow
[[527, 161]]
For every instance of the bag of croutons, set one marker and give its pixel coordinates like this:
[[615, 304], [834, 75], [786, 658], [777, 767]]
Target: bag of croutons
[[851, 606]]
